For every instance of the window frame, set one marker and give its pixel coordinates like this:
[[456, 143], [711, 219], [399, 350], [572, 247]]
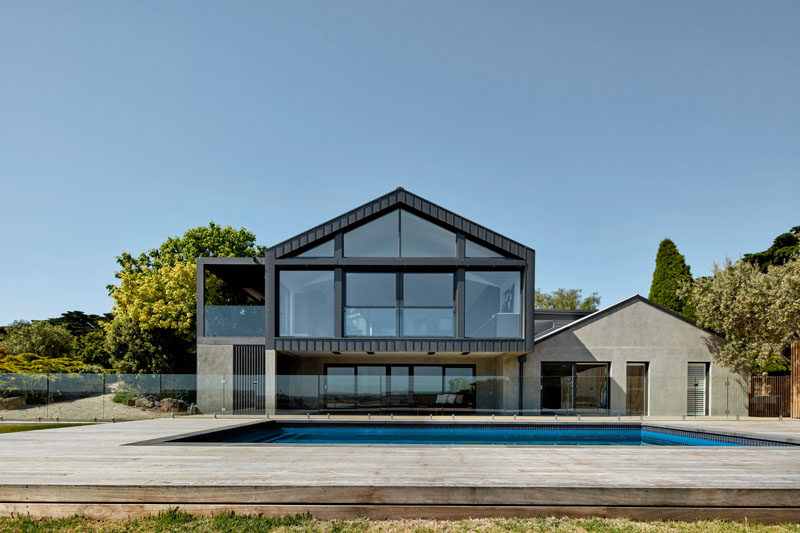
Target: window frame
[[574, 384], [400, 306]]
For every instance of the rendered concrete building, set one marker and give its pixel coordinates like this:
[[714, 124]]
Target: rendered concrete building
[[403, 306]]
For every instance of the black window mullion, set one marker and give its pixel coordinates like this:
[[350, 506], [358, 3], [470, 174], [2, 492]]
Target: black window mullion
[[399, 235], [574, 385], [399, 303], [338, 302]]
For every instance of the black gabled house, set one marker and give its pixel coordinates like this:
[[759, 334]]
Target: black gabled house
[[395, 294]]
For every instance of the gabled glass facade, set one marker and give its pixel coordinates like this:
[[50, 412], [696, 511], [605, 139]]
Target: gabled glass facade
[[412, 277], [399, 234]]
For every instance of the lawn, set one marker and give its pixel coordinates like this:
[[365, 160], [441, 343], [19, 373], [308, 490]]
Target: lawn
[[14, 428], [181, 522]]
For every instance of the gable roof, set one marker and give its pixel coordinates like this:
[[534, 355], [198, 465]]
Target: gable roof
[[411, 202], [611, 309]]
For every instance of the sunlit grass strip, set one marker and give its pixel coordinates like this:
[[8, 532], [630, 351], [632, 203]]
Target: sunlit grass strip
[[179, 521], [14, 428]]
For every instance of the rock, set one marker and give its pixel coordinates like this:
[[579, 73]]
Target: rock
[[140, 402], [132, 402], [14, 402], [173, 405]]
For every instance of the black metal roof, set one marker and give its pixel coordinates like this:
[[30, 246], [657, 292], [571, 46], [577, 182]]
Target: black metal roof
[[407, 200]]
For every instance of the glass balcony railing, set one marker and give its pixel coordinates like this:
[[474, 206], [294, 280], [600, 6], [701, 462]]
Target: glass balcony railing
[[234, 321]]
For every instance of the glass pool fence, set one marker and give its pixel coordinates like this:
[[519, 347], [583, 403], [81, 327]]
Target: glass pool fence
[[119, 397]]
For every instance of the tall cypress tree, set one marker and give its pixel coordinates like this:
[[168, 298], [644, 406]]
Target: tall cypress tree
[[670, 269]]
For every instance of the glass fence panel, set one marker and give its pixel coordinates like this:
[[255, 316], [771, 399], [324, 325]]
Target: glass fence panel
[[234, 321], [23, 396], [75, 397], [421, 390]]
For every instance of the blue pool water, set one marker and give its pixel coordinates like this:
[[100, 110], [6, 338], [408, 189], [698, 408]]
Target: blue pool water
[[461, 434]]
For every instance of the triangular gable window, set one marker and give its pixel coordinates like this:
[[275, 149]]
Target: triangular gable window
[[399, 234], [323, 250], [420, 238], [379, 238], [474, 249]]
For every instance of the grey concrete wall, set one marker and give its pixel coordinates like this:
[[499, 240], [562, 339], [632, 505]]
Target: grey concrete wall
[[270, 399], [639, 332], [215, 378]]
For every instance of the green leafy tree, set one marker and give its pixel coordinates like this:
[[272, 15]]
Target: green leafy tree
[[39, 337], [135, 350], [758, 313], [79, 323], [154, 323], [783, 248], [670, 273], [566, 299], [91, 349]]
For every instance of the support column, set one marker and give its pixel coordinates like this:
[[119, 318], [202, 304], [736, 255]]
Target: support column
[[215, 378], [795, 377], [508, 371], [270, 389]]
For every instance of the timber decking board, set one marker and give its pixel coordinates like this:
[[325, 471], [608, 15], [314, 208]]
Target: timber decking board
[[91, 468]]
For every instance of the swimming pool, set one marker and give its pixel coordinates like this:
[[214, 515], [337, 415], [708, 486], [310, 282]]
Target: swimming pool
[[426, 434]]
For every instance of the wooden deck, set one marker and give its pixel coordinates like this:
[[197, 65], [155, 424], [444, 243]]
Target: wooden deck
[[91, 470]]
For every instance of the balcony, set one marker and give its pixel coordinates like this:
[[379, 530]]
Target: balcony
[[234, 321]]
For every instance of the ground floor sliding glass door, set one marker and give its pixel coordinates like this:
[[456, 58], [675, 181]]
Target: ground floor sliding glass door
[[580, 388], [399, 387]]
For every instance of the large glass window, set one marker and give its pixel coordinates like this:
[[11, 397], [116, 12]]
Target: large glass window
[[492, 301], [474, 249], [306, 303], [371, 386], [428, 305], [420, 238], [370, 305], [321, 250], [426, 308], [379, 238], [399, 233], [575, 387]]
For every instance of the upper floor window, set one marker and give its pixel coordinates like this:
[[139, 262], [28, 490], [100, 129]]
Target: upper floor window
[[422, 308], [306, 303], [399, 234], [322, 250], [474, 249], [492, 301]]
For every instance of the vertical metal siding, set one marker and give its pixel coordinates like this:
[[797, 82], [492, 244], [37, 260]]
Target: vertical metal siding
[[249, 379]]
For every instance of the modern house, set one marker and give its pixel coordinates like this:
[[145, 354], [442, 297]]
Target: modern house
[[403, 306]]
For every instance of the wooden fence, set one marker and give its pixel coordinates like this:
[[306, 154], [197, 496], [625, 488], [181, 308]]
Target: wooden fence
[[770, 396]]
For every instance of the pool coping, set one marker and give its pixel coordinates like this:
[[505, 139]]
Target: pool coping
[[718, 435]]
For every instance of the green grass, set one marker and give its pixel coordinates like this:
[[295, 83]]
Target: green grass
[[178, 521], [14, 428], [123, 397]]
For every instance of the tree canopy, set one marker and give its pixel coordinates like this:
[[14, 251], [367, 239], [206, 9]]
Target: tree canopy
[[670, 273], [566, 299], [757, 312], [39, 337], [154, 323], [784, 247]]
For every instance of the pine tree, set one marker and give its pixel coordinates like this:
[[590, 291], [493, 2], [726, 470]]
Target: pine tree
[[671, 269]]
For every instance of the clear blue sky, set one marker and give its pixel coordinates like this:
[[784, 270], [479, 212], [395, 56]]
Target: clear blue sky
[[586, 130]]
